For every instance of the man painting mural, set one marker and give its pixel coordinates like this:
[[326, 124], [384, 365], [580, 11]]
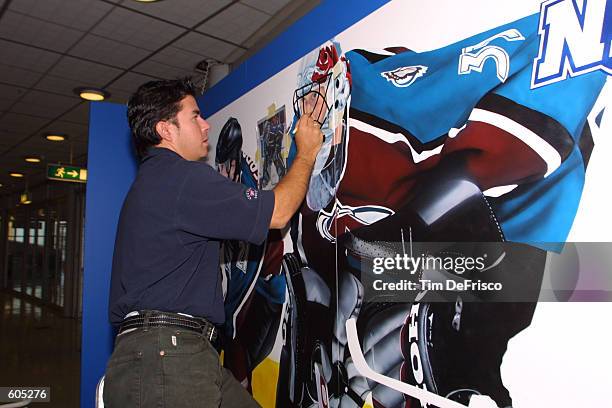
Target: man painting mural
[[166, 295]]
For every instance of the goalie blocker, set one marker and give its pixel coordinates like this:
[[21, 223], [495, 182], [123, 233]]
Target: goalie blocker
[[453, 346]]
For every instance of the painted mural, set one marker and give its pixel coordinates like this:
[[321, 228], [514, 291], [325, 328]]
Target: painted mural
[[457, 143]]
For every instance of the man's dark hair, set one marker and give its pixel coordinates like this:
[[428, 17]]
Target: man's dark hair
[[152, 102]]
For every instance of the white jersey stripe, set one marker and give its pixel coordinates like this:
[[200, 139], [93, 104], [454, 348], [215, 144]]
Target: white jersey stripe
[[391, 138], [548, 153]]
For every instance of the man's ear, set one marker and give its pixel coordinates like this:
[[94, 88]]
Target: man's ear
[[163, 130]]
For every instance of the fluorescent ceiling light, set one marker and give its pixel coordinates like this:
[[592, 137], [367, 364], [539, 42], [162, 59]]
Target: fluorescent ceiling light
[[55, 137], [92, 94]]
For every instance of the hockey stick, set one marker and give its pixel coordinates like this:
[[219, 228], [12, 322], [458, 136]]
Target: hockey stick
[[477, 401]]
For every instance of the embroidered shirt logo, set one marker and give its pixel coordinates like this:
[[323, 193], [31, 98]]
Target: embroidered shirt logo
[[251, 193], [404, 76]]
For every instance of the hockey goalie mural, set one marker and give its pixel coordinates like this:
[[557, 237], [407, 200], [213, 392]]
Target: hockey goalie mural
[[454, 160]]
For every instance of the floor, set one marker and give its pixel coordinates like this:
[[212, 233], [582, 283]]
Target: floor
[[39, 347]]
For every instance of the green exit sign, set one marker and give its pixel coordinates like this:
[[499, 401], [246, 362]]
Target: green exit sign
[[66, 173]]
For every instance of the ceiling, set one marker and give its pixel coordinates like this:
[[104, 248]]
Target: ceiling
[[50, 47]]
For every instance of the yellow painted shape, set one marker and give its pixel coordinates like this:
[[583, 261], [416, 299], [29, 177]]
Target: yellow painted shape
[[368, 402], [271, 111], [286, 146], [265, 378]]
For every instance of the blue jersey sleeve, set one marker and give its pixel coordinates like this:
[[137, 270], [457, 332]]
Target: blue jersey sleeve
[[568, 102]]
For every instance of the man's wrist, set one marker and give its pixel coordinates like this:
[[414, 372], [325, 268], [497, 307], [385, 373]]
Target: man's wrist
[[308, 158]]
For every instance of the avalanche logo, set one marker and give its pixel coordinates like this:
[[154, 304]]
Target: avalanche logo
[[404, 76], [329, 222], [250, 194], [575, 38]]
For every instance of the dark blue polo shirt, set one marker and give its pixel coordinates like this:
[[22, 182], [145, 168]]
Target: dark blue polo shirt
[[167, 245]]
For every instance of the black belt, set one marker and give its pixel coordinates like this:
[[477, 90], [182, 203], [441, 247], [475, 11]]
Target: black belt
[[154, 318]]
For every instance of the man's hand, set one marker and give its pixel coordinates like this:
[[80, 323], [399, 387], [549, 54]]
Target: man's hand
[[308, 137], [291, 190]]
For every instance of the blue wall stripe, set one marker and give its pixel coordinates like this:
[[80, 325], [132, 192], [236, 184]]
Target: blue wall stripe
[[328, 19], [111, 168]]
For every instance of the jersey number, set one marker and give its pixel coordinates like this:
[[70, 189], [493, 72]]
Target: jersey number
[[473, 58]]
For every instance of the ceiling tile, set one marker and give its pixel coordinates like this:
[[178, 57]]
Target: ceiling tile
[[176, 57], [21, 124], [51, 152], [18, 76], [44, 104], [135, 29], [11, 92], [38, 142], [235, 24], [36, 111], [10, 160], [81, 15], [79, 114], [11, 137], [80, 147], [46, 99], [31, 168], [130, 81], [205, 46], [16, 163], [4, 145], [52, 83], [110, 52], [91, 74], [267, 6], [33, 31], [161, 70], [5, 104], [235, 55], [14, 155], [73, 130], [185, 12], [30, 58], [119, 96]]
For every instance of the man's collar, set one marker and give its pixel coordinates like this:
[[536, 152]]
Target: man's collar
[[156, 151]]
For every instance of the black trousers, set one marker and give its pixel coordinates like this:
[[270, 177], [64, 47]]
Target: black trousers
[[169, 367]]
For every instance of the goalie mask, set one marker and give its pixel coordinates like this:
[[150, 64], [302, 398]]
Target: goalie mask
[[323, 91]]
